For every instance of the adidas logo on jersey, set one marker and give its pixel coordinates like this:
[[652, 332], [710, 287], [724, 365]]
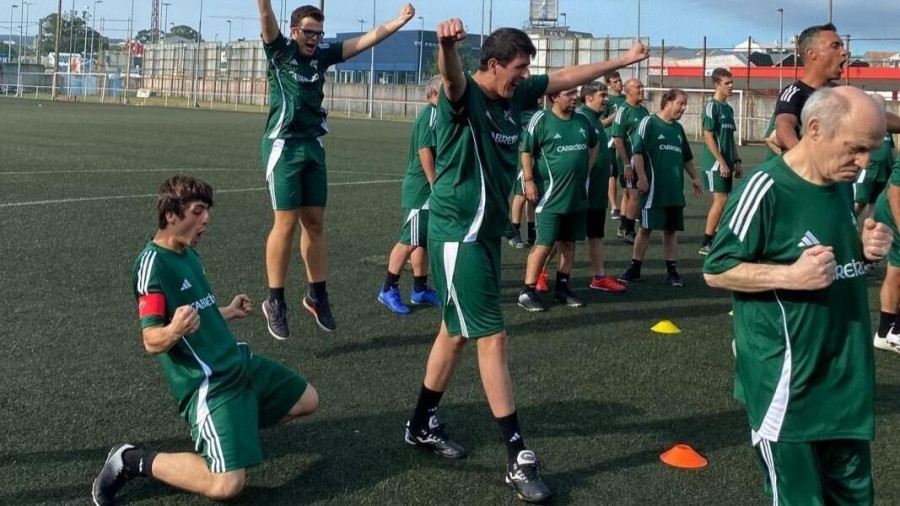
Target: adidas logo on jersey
[[661, 137], [557, 136], [186, 285], [808, 240]]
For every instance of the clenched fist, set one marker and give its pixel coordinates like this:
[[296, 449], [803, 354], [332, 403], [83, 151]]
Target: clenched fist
[[814, 270], [876, 239], [407, 13], [185, 321], [451, 31]]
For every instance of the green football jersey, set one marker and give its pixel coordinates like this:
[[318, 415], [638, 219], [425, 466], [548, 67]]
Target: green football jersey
[[627, 119], [598, 180], [880, 162], [613, 103], [718, 118], [560, 149], [416, 188], [665, 149], [478, 148], [804, 358], [296, 86], [209, 361], [882, 205]]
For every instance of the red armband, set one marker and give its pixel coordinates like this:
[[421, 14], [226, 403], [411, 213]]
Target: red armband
[[152, 304]]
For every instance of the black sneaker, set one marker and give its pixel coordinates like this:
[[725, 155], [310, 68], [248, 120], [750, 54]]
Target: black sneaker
[[629, 237], [112, 477], [321, 311], [529, 301], [628, 276], [674, 279], [275, 312], [566, 296], [522, 475], [435, 439]]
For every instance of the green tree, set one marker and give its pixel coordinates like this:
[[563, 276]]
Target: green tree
[[75, 35], [144, 36], [468, 56], [184, 31]]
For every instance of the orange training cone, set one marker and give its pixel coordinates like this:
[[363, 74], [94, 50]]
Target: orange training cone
[[683, 456]]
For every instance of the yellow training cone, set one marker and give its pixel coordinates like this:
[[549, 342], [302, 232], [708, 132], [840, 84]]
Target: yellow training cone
[[665, 327], [731, 313]]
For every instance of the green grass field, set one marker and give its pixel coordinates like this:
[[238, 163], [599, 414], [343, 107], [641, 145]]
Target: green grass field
[[600, 396]]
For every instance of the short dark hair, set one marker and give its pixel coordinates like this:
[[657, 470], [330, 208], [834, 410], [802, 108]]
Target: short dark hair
[[670, 96], [177, 192], [612, 75], [809, 36], [306, 11], [589, 89], [505, 45], [719, 74]]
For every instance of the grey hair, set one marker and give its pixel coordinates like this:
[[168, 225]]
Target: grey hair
[[828, 107], [433, 85]]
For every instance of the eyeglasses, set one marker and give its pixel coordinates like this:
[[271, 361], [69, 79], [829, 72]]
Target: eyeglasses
[[309, 34]]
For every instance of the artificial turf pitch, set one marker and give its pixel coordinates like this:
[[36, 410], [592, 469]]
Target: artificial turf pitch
[[600, 396]]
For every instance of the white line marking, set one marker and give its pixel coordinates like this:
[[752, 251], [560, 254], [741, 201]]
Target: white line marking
[[148, 195], [183, 169]]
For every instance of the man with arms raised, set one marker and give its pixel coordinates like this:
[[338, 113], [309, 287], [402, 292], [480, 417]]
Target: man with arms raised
[[790, 251], [293, 153], [477, 144]]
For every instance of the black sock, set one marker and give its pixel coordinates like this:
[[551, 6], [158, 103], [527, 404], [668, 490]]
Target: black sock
[[885, 323], [390, 280], [532, 233], [629, 226], [276, 294], [512, 436], [426, 407], [530, 289], [707, 240], [517, 227], [420, 283], [670, 266], [562, 281], [636, 265], [317, 291], [138, 461]]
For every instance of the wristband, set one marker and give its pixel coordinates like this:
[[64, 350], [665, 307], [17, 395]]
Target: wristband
[[738, 160], [528, 179]]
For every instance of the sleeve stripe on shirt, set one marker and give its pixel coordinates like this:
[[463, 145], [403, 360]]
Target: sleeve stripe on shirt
[[709, 110], [619, 112], [748, 205], [643, 126], [789, 93], [534, 121], [143, 278], [433, 119]]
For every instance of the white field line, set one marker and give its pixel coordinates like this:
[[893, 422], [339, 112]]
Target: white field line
[[184, 169], [148, 195]]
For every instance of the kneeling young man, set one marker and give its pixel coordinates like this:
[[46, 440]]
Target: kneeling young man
[[225, 392], [661, 157]]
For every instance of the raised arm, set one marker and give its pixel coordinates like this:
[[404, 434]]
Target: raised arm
[[572, 77], [267, 21], [356, 45], [449, 65]]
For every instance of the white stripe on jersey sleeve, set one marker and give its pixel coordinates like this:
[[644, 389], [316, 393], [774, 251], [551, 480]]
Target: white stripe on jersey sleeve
[[534, 121], [748, 204]]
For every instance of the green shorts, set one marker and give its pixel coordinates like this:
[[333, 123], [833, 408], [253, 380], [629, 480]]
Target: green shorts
[[414, 231], [614, 156], [714, 182], [228, 436], [883, 214], [669, 218], [868, 192], [519, 184], [552, 227], [595, 223], [835, 472], [295, 172], [467, 278]]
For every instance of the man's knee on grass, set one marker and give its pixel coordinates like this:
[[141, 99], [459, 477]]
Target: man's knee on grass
[[226, 486]]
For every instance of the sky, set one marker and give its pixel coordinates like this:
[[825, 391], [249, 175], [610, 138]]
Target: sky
[[679, 22]]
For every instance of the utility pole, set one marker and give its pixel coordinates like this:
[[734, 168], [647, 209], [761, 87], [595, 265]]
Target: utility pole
[[56, 49]]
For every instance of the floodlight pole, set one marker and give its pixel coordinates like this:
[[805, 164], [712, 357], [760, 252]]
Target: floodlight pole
[[21, 41], [781, 48], [482, 24], [56, 49], [197, 60], [9, 39], [372, 69], [830, 11], [421, 42]]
